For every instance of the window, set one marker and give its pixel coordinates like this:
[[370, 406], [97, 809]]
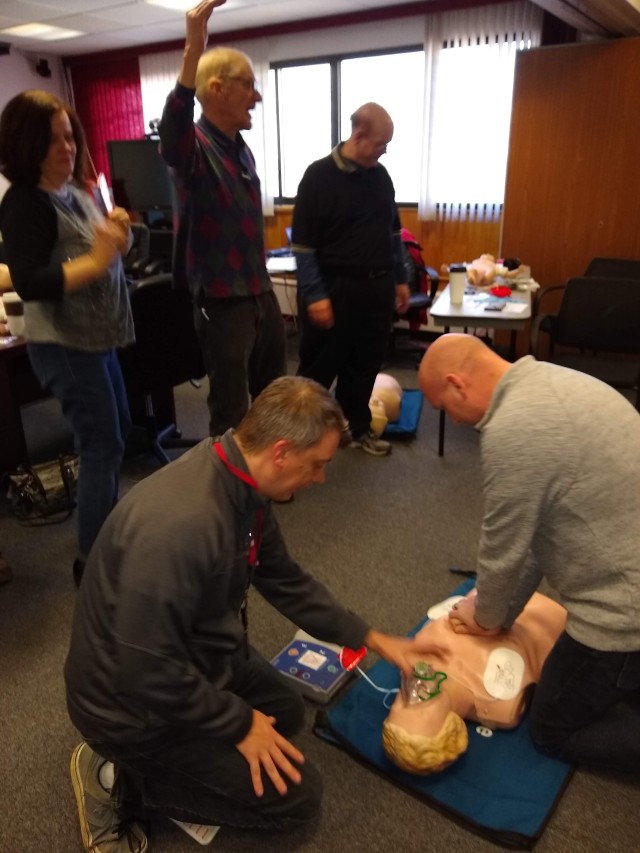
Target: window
[[449, 98], [395, 81], [304, 121], [309, 127], [450, 101]]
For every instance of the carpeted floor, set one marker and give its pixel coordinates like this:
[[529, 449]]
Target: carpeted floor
[[382, 533]]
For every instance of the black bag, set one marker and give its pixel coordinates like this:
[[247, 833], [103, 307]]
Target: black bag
[[46, 493]]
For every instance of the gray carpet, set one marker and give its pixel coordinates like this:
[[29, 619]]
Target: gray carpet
[[382, 533]]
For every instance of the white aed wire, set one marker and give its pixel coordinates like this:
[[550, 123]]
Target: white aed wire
[[388, 692]]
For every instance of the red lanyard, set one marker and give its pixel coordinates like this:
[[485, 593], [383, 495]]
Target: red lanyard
[[254, 541], [254, 538]]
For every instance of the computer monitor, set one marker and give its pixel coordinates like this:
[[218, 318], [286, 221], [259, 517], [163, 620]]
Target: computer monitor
[[139, 176]]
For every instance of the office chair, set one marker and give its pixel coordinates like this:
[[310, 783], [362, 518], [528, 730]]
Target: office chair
[[166, 353], [613, 268], [599, 319], [599, 267], [138, 255], [423, 284]]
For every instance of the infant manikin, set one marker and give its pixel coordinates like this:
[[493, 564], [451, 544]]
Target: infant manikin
[[485, 679], [384, 403], [484, 270]]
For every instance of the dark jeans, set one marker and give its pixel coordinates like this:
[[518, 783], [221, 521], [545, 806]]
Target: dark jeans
[[352, 351], [243, 347], [188, 774], [586, 707], [91, 391]]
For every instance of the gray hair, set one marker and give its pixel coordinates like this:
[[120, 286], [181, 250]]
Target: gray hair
[[293, 408], [218, 62]]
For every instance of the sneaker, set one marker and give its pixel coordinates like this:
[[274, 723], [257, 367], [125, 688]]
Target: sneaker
[[373, 445], [102, 830]]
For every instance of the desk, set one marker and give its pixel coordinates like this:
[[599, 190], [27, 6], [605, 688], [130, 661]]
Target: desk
[[471, 314], [282, 271], [18, 386]]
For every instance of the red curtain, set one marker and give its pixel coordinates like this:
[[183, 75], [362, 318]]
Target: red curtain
[[108, 100]]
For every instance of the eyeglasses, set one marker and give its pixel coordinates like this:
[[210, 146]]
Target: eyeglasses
[[248, 82]]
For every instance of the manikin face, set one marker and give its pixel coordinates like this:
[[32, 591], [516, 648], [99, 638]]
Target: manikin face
[[57, 167], [302, 468]]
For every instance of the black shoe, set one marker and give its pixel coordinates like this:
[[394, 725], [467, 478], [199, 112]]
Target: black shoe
[[78, 570]]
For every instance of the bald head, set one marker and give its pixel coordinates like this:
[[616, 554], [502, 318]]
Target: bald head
[[371, 132], [370, 117], [459, 374]]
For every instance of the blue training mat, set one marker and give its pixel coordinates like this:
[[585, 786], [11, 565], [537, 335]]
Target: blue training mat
[[410, 411], [503, 787]]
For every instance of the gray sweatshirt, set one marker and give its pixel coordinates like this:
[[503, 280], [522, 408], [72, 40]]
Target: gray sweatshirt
[[561, 484]]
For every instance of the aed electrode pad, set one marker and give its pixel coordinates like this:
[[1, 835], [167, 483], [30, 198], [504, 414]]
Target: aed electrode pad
[[503, 674]]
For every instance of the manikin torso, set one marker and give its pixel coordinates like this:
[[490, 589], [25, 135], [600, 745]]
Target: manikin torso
[[487, 677]]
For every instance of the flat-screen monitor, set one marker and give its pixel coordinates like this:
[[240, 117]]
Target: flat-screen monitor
[[139, 176]]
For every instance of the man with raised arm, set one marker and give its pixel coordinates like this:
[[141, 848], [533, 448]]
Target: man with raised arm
[[219, 245]]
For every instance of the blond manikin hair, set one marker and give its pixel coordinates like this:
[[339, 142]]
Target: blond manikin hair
[[423, 754]]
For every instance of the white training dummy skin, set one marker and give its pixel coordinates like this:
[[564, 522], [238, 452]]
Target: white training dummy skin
[[464, 658], [386, 395]]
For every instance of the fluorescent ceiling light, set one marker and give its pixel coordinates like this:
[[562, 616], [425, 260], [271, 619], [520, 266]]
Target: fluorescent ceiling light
[[181, 5], [46, 32], [185, 5]]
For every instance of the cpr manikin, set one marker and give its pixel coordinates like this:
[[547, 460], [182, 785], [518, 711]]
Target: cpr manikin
[[468, 677], [384, 403]]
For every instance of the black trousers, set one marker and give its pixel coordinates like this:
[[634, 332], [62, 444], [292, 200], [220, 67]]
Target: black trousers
[[353, 350], [192, 776], [243, 346]]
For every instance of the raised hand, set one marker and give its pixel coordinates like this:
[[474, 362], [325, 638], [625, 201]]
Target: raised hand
[[197, 24]]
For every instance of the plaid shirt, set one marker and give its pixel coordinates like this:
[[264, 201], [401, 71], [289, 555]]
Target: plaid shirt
[[219, 249]]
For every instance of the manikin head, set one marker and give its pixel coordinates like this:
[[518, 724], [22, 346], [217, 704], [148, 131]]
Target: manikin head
[[290, 434], [488, 680], [385, 402]]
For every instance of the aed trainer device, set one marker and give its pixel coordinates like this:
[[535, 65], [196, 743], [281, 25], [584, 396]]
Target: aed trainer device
[[317, 669]]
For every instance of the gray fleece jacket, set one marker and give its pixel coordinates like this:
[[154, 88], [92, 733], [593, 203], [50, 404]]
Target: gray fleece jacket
[[561, 485]]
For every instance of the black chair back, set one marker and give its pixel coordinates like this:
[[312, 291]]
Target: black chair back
[[166, 352], [613, 268], [601, 314]]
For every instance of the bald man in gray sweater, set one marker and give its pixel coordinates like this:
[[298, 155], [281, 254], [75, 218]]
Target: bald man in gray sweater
[[561, 488]]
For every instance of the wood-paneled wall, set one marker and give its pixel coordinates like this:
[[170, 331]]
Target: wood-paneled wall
[[443, 242], [573, 178]]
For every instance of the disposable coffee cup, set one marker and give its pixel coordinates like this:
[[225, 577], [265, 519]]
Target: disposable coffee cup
[[457, 282], [14, 309]]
